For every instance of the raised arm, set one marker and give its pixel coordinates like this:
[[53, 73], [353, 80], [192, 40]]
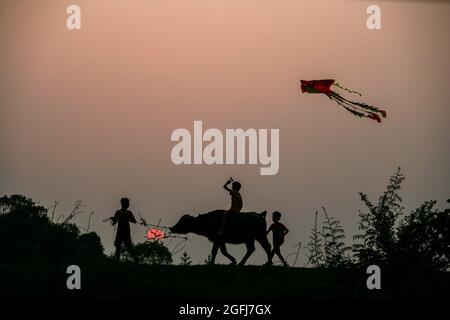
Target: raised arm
[[225, 186]]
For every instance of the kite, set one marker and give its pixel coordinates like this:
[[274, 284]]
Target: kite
[[358, 109], [155, 234]]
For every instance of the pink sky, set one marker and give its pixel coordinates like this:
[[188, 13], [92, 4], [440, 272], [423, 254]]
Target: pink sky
[[87, 115]]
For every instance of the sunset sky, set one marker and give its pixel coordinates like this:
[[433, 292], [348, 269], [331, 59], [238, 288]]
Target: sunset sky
[[88, 114]]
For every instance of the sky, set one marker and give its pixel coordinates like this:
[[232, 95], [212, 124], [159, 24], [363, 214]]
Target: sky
[[88, 114]]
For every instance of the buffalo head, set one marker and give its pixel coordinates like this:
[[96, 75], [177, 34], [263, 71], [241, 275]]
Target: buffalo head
[[184, 225]]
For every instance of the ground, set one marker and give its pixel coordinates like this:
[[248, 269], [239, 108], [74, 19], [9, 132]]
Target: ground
[[216, 283]]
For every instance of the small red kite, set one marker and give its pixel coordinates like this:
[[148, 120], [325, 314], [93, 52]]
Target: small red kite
[[358, 109], [155, 234]]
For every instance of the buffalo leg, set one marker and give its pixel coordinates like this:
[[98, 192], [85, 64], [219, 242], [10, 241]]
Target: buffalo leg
[[214, 250], [266, 246], [224, 251], [250, 250]]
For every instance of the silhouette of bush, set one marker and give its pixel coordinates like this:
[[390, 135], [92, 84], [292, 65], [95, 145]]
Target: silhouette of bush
[[315, 245], [149, 252], [186, 259], [424, 238], [378, 225], [335, 248], [28, 236], [421, 241], [327, 248]]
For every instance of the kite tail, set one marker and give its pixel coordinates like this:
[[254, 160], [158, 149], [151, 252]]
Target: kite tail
[[370, 108], [346, 89], [350, 109], [357, 108]]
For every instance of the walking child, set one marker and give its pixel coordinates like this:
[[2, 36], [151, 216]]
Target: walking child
[[279, 231]]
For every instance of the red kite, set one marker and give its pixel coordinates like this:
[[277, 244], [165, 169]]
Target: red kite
[[358, 109], [155, 234]]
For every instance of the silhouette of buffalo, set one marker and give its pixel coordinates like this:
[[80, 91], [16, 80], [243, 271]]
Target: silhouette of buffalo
[[242, 227]]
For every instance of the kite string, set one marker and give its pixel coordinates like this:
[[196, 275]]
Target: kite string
[[287, 115]]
